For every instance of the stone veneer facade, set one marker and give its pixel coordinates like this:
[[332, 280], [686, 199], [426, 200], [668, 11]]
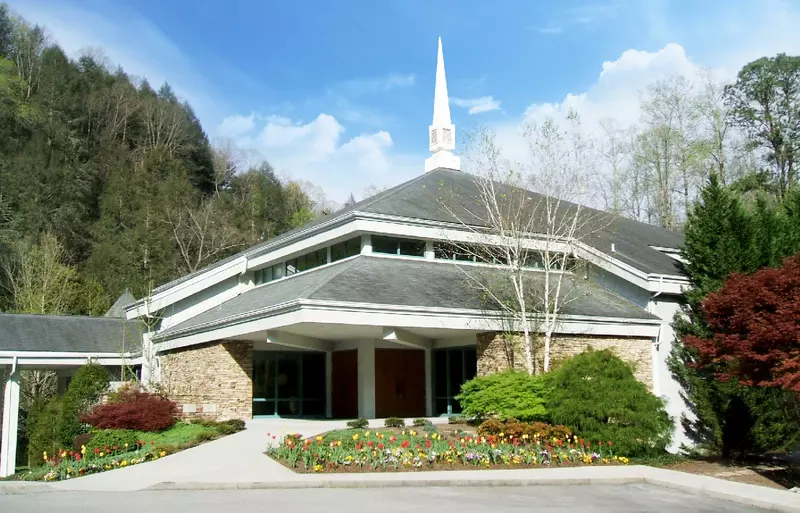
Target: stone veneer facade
[[212, 380], [498, 352]]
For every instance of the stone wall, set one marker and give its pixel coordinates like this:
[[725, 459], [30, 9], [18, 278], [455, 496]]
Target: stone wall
[[498, 352], [211, 380]]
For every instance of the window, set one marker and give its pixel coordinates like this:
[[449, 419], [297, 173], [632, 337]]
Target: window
[[268, 274], [395, 246], [452, 367], [446, 251], [307, 261], [346, 249]]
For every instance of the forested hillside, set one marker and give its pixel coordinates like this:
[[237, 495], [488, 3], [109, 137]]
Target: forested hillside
[[107, 183]]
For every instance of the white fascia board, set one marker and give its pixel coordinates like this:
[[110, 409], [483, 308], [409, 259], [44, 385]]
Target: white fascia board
[[54, 358], [354, 223], [398, 317], [415, 228], [342, 230], [145, 307]]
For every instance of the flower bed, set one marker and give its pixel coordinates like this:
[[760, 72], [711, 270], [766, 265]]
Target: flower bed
[[67, 464], [368, 451]]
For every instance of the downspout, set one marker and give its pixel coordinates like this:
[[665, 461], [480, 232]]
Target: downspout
[[13, 364]]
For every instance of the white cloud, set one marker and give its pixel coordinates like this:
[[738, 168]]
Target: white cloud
[[360, 86], [477, 105], [236, 126], [319, 152], [616, 92], [585, 15]]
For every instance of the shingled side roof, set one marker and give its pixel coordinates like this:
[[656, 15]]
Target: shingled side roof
[[69, 334], [404, 282]]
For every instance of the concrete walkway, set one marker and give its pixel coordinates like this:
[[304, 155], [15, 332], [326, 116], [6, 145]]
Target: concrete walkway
[[237, 462], [237, 458]]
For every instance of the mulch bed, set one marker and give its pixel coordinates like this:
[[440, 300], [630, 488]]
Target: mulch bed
[[762, 473]]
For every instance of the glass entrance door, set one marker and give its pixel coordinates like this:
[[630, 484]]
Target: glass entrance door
[[289, 384], [452, 367]]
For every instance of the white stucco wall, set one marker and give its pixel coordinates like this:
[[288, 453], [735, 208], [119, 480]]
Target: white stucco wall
[[665, 307]]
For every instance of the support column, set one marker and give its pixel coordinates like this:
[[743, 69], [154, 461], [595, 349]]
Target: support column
[[430, 253], [329, 384], [8, 447], [428, 382], [366, 244], [366, 379]]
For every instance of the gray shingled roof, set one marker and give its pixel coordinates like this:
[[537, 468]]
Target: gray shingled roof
[[69, 333], [397, 281], [422, 197]]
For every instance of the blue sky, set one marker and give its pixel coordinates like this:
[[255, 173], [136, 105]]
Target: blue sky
[[340, 92]]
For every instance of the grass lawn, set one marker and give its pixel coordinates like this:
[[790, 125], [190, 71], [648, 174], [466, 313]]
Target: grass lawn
[[180, 434]]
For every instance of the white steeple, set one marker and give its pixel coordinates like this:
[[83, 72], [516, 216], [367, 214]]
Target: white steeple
[[442, 132]]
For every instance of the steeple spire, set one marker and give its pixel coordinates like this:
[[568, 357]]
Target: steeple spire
[[441, 103], [442, 133]]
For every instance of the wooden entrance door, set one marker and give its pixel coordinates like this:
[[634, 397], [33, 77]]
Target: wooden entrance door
[[399, 383], [345, 384]]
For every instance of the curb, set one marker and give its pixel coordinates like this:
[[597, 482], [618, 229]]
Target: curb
[[24, 488], [395, 483], [740, 493]]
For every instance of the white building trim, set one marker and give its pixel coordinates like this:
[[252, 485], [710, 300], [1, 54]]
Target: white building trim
[[353, 224], [398, 317]]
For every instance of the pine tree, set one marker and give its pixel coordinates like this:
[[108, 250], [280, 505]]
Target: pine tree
[[722, 237]]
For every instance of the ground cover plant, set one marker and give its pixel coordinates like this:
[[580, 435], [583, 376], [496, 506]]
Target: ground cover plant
[[357, 450]]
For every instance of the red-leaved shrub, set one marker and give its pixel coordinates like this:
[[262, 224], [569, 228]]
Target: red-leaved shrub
[[135, 410]]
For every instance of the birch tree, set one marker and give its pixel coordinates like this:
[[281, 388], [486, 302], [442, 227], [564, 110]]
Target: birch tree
[[530, 238]]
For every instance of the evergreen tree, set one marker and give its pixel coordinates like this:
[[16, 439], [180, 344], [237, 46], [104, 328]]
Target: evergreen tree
[[722, 237]]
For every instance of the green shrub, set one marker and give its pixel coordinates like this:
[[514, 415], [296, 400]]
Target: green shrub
[[43, 432], [457, 419], [596, 394], [395, 422], [113, 440], [85, 390], [430, 427], [420, 422], [359, 423], [236, 424], [205, 436], [505, 394]]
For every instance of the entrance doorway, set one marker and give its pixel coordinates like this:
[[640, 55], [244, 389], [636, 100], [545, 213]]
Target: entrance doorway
[[399, 383], [288, 384]]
